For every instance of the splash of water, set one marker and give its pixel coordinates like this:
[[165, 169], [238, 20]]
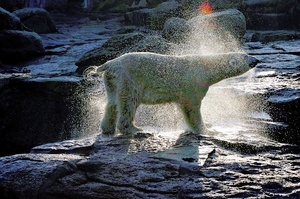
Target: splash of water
[[212, 32]]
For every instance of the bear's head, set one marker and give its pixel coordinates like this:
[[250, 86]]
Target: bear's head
[[240, 63], [229, 65]]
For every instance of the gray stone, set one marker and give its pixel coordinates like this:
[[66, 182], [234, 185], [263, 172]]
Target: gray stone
[[175, 29], [36, 19], [139, 17], [269, 21], [152, 43], [231, 21], [114, 47], [21, 44], [269, 6], [9, 21], [56, 5], [109, 172], [9, 5], [276, 35], [33, 172], [154, 18], [162, 12], [218, 32], [269, 15]]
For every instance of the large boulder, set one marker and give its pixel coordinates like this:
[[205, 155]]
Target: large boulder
[[269, 6], [218, 32], [19, 44], [114, 47], [55, 5], [175, 29], [9, 21], [229, 21], [152, 43], [107, 5], [36, 19], [137, 4], [9, 5], [163, 12], [123, 43], [154, 18]]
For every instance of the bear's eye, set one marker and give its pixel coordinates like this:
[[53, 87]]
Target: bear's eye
[[233, 62]]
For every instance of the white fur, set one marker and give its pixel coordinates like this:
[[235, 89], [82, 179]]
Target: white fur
[[148, 78]]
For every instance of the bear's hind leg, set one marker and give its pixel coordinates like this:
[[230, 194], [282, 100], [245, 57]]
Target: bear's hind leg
[[127, 106], [108, 123]]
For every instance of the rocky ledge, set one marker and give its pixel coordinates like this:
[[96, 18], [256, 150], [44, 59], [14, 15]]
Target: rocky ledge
[[152, 165]]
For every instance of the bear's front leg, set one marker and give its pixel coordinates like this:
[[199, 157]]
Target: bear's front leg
[[192, 116]]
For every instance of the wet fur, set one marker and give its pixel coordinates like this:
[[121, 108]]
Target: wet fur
[[148, 78]]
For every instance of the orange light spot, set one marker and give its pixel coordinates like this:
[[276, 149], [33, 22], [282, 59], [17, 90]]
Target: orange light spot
[[205, 8]]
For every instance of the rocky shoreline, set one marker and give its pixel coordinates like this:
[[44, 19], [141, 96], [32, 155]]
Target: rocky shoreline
[[250, 150]]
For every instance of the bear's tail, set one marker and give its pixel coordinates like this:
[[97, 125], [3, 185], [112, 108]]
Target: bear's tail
[[94, 71], [102, 68]]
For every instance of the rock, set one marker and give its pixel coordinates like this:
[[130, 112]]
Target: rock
[[51, 5], [276, 35], [283, 106], [108, 6], [139, 17], [227, 4], [9, 5], [152, 43], [114, 47], [175, 29], [154, 18], [269, 6], [33, 166], [143, 4], [269, 21], [36, 19], [234, 159], [60, 5], [269, 15], [113, 170], [162, 12], [123, 43], [21, 44], [9, 21], [45, 110], [218, 32], [230, 21]]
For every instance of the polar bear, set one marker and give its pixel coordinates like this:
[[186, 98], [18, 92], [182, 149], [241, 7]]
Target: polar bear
[[149, 78]]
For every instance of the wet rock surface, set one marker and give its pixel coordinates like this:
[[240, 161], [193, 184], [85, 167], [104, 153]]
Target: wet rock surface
[[151, 165]]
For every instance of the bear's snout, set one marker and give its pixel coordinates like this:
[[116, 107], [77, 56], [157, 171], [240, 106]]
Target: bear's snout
[[252, 61]]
